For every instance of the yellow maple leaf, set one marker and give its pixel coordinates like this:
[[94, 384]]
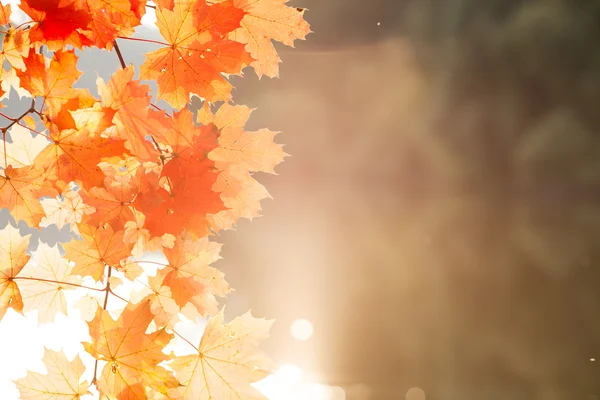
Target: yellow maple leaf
[[62, 382], [255, 151], [227, 362], [12, 261], [41, 291], [240, 193], [267, 20], [98, 247], [22, 149]]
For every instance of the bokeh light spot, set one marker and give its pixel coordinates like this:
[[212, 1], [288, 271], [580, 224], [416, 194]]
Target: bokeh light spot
[[302, 329]]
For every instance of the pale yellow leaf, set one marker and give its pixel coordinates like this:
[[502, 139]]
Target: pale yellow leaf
[[62, 382], [41, 292]]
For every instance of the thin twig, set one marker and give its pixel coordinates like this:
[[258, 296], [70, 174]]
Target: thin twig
[[119, 54], [117, 296], [17, 119], [187, 341], [26, 278], [144, 40], [107, 290]]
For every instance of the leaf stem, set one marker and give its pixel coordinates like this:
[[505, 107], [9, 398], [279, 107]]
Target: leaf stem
[[144, 40], [150, 262], [27, 278], [107, 290], [185, 340], [107, 287]]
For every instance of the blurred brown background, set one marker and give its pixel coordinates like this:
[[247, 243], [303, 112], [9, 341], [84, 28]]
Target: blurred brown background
[[439, 218]]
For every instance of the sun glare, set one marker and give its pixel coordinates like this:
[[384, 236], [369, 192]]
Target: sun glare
[[302, 329]]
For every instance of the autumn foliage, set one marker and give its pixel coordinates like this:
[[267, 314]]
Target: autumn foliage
[[128, 177]]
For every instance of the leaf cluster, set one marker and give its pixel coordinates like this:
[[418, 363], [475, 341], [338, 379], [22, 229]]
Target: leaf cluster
[[128, 178]]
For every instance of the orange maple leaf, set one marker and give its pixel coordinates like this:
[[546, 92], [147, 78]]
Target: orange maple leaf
[[136, 233], [189, 177], [98, 247], [12, 260], [197, 56], [57, 23], [20, 190], [132, 355], [112, 18], [5, 14], [112, 202], [133, 119], [53, 82], [189, 275], [74, 155], [226, 363]]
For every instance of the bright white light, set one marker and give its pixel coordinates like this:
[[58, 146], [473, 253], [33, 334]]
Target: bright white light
[[149, 19], [290, 374], [17, 16], [288, 383], [302, 329]]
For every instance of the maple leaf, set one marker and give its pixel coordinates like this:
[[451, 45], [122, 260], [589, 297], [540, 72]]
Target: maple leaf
[[165, 4], [132, 355], [196, 56], [162, 305], [22, 148], [239, 153], [190, 176], [41, 291], [62, 382], [57, 23], [20, 190], [267, 20], [12, 260], [74, 156], [5, 14], [255, 151], [227, 361], [112, 18], [241, 195], [15, 46], [112, 202], [98, 247], [138, 235], [133, 120], [53, 82], [68, 208], [189, 275]]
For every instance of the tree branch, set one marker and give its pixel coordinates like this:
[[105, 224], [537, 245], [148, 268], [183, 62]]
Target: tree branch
[[119, 54]]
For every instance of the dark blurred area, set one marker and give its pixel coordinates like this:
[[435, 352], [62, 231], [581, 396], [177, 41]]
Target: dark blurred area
[[439, 218]]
